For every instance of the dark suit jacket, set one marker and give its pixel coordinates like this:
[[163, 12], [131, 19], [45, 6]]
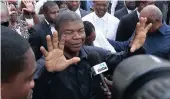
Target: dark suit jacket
[[120, 13], [83, 12], [127, 26], [38, 38], [120, 4]]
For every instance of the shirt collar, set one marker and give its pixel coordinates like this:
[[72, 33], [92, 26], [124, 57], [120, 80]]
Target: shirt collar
[[104, 18], [129, 11], [137, 12], [47, 22], [51, 25], [163, 28], [83, 52], [78, 12]]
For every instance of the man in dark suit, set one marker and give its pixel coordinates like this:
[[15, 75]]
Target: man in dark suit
[[75, 6], [129, 7], [128, 22], [46, 27]]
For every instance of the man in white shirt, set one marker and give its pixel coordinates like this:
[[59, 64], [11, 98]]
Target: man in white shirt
[[105, 24], [74, 5]]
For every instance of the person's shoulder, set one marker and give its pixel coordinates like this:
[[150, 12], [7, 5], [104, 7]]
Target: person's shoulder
[[167, 30], [6, 30], [38, 26], [102, 52], [88, 16], [118, 12], [112, 18], [84, 11], [127, 17], [96, 49]]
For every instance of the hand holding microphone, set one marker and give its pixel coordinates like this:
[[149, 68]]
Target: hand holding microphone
[[98, 68]]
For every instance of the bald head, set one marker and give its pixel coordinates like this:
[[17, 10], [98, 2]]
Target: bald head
[[152, 12], [4, 13], [153, 15]]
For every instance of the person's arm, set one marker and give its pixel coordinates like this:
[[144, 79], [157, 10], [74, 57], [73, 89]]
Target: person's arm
[[36, 18], [30, 7], [119, 46], [135, 46]]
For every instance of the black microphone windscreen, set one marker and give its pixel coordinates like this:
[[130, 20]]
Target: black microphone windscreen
[[93, 58]]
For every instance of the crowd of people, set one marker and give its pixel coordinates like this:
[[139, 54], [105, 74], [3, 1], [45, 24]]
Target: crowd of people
[[45, 44]]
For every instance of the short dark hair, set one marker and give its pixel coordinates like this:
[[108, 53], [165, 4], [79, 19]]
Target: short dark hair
[[48, 4], [89, 27], [137, 3], [13, 48], [65, 16], [59, 3]]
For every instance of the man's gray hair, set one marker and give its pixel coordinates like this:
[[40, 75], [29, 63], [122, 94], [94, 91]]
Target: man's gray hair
[[153, 12], [65, 16]]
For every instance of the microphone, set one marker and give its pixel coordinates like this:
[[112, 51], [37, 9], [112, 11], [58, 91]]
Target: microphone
[[98, 67]]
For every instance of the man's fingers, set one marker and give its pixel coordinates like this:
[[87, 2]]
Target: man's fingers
[[148, 26], [55, 40], [44, 51], [62, 42], [24, 1], [24, 9], [49, 43], [133, 48], [137, 25], [108, 82], [13, 12], [73, 60], [104, 89], [142, 21]]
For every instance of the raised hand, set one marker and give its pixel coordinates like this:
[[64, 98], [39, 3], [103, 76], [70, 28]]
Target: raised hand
[[140, 35], [54, 57], [30, 6], [9, 8]]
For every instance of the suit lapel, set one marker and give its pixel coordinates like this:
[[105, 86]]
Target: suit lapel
[[125, 11], [81, 12], [135, 17], [47, 28]]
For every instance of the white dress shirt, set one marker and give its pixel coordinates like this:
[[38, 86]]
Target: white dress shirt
[[114, 4], [30, 21], [129, 11], [105, 27], [78, 12], [52, 27], [108, 24], [138, 13]]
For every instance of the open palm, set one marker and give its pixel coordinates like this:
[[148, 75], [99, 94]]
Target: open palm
[[140, 34], [29, 4], [54, 57]]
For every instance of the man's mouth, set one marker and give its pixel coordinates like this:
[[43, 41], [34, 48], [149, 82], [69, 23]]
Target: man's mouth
[[77, 45]]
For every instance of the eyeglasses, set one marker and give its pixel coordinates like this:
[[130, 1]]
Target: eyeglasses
[[6, 24]]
